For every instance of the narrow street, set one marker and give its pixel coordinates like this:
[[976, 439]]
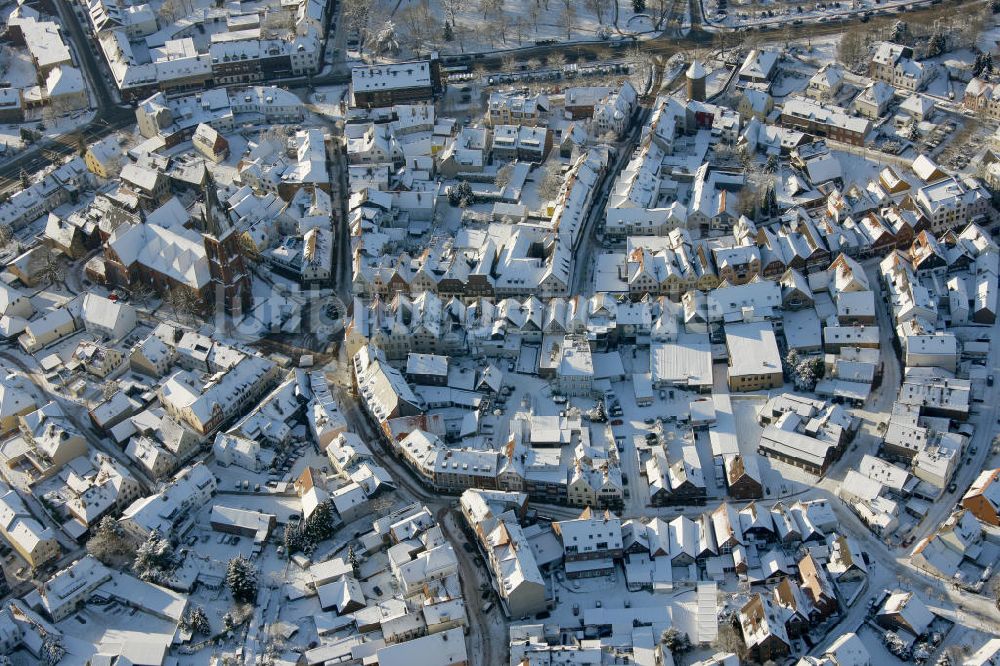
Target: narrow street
[[582, 281], [977, 451], [342, 275], [880, 402], [491, 651]]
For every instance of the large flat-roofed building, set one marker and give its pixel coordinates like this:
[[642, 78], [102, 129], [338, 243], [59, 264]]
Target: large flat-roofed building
[[385, 85], [754, 359], [686, 363], [933, 351]]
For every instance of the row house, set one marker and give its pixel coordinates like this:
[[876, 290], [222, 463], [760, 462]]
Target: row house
[[510, 108], [825, 121], [671, 265], [521, 142], [425, 324], [448, 469]]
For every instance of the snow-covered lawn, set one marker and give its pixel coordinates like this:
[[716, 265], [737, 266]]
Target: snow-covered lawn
[[16, 68], [330, 101], [718, 76], [789, 81]]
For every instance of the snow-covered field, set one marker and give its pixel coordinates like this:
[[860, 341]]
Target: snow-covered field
[[418, 25]]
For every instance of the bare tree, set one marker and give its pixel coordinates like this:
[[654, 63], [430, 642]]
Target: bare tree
[[567, 18], [109, 390], [169, 12], [597, 7], [557, 60], [504, 173], [490, 8], [501, 22], [746, 202], [852, 50], [518, 25], [640, 66], [728, 640], [551, 182], [453, 7], [534, 11], [142, 293], [659, 9], [508, 64], [52, 271], [4, 60], [462, 34], [484, 32], [184, 302], [417, 23], [6, 235], [358, 15]]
